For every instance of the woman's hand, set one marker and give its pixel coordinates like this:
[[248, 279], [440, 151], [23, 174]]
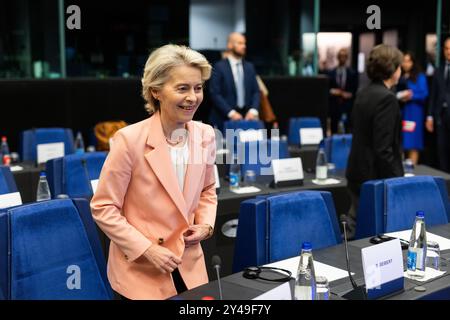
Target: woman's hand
[[196, 233], [162, 258]]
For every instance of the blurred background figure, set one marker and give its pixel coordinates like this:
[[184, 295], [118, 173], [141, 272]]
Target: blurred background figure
[[343, 85], [413, 92], [233, 87], [438, 112], [266, 111]]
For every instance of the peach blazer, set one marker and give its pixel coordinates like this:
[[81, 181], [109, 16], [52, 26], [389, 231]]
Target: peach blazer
[[138, 203]]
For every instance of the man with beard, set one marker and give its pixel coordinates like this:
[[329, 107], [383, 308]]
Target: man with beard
[[233, 87]]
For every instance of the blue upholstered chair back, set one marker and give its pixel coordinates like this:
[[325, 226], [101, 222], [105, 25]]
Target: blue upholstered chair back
[[31, 138], [243, 124], [257, 155], [391, 204], [295, 124], [72, 174], [46, 242], [272, 228], [338, 148], [7, 182]]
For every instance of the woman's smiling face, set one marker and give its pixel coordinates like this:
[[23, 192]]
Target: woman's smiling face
[[181, 95]]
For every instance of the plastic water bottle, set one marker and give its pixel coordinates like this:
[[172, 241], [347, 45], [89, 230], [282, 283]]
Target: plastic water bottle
[[79, 143], [321, 164], [235, 174], [4, 151], [43, 191], [417, 251], [305, 282]]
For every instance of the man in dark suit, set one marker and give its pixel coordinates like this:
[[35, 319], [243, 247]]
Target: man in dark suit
[[439, 112], [343, 85], [376, 147], [233, 87]]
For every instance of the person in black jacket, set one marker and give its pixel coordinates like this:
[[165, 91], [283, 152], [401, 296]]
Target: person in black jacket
[[439, 113], [376, 147]]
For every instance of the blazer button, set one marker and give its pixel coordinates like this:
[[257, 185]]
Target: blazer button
[[160, 240]]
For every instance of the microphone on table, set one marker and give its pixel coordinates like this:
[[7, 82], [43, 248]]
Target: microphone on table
[[358, 292], [216, 263]]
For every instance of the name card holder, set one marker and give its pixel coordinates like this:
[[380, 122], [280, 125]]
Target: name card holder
[[383, 269], [287, 172]]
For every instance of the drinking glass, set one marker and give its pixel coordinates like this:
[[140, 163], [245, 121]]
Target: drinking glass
[[433, 255], [322, 288], [249, 178]]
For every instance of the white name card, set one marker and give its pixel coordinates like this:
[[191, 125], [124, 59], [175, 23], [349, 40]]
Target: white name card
[[310, 135], [216, 176], [48, 151], [250, 135], [382, 263], [94, 184], [10, 200], [287, 169], [282, 292]]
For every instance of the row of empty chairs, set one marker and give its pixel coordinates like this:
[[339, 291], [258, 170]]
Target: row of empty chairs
[[272, 228]]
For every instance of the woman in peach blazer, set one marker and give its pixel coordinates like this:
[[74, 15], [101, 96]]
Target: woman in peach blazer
[[155, 212]]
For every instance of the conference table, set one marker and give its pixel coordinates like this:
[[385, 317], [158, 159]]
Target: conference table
[[236, 287], [222, 242]]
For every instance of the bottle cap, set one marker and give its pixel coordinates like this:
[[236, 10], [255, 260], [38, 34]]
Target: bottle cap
[[3, 138], [420, 214], [306, 246], [42, 174]]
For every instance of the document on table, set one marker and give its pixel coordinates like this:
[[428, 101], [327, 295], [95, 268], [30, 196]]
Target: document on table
[[243, 190], [444, 243], [321, 269], [430, 273], [282, 292]]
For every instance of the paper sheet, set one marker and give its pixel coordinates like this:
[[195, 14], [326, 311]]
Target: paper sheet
[[321, 269], [326, 182], [444, 243], [246, 190], [282, 292], [430, 273], [10, 200]]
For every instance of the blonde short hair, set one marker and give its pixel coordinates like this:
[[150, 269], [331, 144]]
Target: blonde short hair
[[161, 62]]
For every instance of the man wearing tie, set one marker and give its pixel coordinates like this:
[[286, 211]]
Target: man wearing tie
[[343, 85], [438, 112], [233, 87]]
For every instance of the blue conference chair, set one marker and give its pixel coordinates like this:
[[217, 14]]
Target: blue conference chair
[[295, 124], [338, 148], [72, 174], [7, 182], [30, 139], [272, 228], [257, 155], [46, 248], [390, 205]]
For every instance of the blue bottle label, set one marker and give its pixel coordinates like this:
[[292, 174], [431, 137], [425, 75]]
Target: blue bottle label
[[412, 260], [234, 180]]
